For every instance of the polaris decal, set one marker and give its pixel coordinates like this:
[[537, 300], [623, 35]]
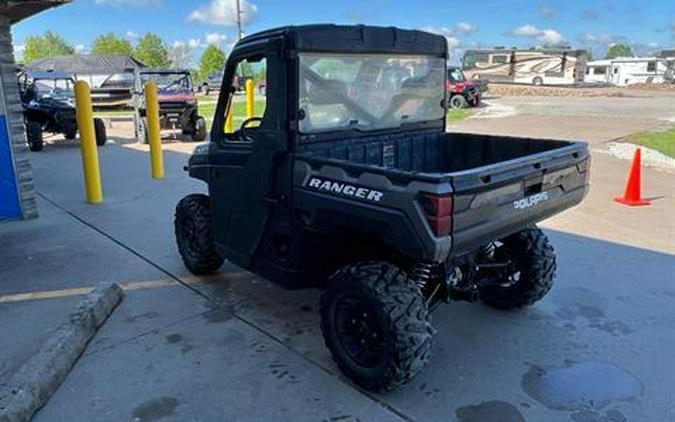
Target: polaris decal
[[345, 189], [530, 201]]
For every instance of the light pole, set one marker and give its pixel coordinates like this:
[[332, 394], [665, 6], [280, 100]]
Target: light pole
[[239, 19]]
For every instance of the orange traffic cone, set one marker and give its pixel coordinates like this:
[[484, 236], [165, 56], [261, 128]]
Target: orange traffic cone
[[632, 195]]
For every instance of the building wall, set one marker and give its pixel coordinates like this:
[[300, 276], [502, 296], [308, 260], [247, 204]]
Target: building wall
[[14, 137]]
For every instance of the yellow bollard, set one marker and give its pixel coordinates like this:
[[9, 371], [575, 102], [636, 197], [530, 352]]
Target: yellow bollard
[[85, 125], [154, 135], [229, 121], [249, 99]]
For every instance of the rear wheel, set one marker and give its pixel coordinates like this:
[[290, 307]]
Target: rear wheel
[[458, 101], [376, 324], [537, 81], [34, 135], [193, 227], [100, 131], [531, 275]]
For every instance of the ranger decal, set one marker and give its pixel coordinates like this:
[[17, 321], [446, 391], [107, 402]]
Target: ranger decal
[[345, 189]]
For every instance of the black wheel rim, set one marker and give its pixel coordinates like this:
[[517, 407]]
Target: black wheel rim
[[359, 332]]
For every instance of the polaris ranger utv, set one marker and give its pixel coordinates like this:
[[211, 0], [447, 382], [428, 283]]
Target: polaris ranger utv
[[178, 108], [349, 183], [48, 103]]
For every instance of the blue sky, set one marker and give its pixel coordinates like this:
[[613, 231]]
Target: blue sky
[[647, 26]]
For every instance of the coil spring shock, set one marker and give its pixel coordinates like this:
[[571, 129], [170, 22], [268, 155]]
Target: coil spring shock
[[425, 275], [487, 250]]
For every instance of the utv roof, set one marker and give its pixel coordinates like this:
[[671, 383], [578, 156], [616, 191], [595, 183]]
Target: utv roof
[[354, 39], [48, 75], [162, 71], [102, 64]]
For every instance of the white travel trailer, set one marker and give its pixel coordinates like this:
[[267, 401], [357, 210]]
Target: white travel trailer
[[546, 66], [623, 71]]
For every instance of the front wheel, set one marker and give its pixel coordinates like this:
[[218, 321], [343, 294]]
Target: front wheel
[[376, 324], [458, 101], [100, 131], [34, 135], [199, 133], [532, 271], [193, 228]]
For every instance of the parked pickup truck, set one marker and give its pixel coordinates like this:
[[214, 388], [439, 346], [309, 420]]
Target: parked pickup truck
[[348, 182]]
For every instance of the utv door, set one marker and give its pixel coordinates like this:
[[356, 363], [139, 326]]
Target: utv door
[[242, 164]]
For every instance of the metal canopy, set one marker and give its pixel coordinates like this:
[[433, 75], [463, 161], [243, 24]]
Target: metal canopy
[[88, 64], [18, 10]]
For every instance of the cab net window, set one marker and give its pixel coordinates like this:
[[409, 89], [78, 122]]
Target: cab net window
[[367, 92]]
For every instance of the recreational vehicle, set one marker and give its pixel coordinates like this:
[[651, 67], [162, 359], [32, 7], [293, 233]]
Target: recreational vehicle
[[622, 71], [559, 66]]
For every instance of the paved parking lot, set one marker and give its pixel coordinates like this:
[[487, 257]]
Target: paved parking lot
[[235, 347]]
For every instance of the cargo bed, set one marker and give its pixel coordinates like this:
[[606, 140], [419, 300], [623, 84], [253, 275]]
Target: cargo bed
[[498, 183]]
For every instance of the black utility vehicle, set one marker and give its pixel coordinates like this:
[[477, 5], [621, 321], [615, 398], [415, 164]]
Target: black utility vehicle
[[49, 106], [350, 183], [178, 108]]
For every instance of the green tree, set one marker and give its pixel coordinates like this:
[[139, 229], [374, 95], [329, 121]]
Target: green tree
[[111, 44], [212, 60], [48, 45], [588, 55], [619, 50], [151, 51]]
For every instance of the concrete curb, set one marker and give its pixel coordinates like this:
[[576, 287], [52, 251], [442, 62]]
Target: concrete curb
[[32, 385]]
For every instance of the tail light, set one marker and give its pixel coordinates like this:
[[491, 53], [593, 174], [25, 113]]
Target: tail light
[[438, 212]]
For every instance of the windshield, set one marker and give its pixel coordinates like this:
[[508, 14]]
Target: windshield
[[168, 81], [368, 91], [456, 75], [53, 88]]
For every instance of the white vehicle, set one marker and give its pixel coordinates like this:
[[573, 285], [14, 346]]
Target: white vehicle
[[623, 71], [548, 66]]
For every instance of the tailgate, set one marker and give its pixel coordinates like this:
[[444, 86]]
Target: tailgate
[[494, 201]]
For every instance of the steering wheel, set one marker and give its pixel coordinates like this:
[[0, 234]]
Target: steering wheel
[[242, 130]]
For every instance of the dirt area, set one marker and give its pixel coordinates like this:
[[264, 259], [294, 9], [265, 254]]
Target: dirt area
[[638, 90]]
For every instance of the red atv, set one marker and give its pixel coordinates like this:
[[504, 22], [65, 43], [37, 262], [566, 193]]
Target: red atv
[[461, 92]]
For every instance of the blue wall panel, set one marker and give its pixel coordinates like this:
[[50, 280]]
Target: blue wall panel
[[9, 198]]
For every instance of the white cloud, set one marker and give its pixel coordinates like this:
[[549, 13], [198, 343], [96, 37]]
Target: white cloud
[[546, 10], [448, 33], [79, 48], [550, 36], [129, 2], [546, 36], [132, 34], [466, 28], [215, 38], [600, 39], [224, 12], [195, 43], [526, 31]]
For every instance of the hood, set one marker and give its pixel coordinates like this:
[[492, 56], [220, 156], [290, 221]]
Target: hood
[[172, 95], [60, 102], [461, 85]]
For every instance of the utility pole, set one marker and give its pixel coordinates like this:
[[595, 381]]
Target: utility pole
[[239, 19]]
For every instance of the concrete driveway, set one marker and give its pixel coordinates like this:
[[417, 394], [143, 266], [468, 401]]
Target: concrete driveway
[[235, 347]]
